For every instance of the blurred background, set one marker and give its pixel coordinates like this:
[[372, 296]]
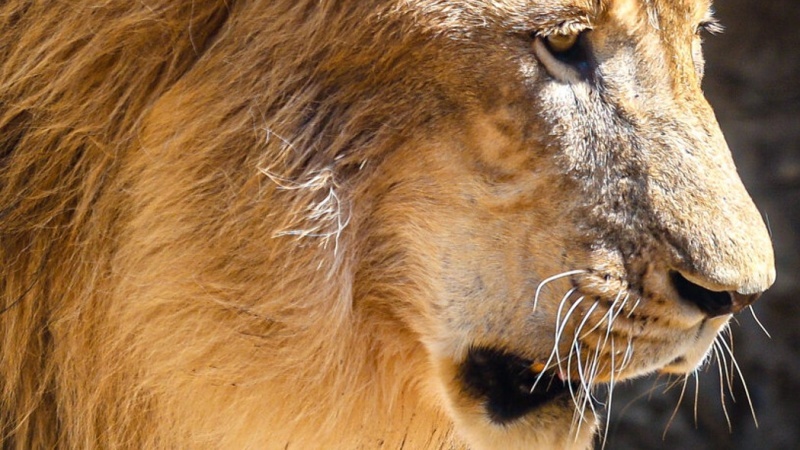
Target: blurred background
[[753, 82]]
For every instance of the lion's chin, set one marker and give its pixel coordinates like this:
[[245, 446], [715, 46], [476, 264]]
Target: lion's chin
[[697, 354]]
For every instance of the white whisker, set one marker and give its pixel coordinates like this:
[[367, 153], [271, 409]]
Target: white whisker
[[574, 350], [722, 386], [744, 382], [585, 381], [609, 314], [727, 332], [677, 406], [722, 362], [587, 386], [635, 305], [560, 333], [669, 386], [763, 328], [628, 357], [769, 225], [585, 395], [579, 417], [548, 280], [595, 367], [696, 394], [611, 384], [556, 337], [621, 307]]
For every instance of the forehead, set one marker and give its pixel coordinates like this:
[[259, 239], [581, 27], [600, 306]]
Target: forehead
[[459, 17], [548, 13], [670, 7], [666, 15]]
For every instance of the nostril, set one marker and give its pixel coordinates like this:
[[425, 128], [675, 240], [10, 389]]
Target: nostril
[[713, 303], [742, 301]]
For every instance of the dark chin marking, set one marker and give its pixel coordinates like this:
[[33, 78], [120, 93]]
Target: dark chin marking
[[503, 382]]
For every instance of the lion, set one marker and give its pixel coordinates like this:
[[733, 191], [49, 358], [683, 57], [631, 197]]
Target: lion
[[357, 224]]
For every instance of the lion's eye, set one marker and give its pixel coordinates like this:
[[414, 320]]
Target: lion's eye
[[561, 43], [565, 56]]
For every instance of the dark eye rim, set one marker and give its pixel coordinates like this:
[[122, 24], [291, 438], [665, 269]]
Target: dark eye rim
[[548, 42], [576, 54], [577, 58]]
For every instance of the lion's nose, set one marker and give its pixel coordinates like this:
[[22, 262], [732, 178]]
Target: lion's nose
[[713, 303]]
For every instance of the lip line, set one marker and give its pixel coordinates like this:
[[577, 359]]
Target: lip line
[[707, 332]]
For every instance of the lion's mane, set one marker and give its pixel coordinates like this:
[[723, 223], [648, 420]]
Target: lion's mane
[[175, 179]]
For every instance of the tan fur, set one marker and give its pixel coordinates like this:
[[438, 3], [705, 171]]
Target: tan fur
[[261, 224]]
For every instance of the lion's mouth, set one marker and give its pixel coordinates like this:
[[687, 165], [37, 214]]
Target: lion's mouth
[[508, 385]]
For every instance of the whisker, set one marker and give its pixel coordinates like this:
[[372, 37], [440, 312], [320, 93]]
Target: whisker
[[589, 368], [611, 384], [595, 369], [560, 332], [610, 325], [586, 382], [556, 338], [621, 307], [584, 398], [769, 225], [635, 305], [696, 394], [763, 328], [550, 279], [609, 314], [589, 397], [599, 346], [677, 406], [722, 363], [587, 372], [722, 388], [646, 394], [727, 332], [579, 417], [572, 349], [628, 356], [744, 382], [672, 384]]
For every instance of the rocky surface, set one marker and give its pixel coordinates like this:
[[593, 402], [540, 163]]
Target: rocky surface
[[753, 82]]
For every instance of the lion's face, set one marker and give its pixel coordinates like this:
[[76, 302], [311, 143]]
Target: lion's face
[[577, 221]]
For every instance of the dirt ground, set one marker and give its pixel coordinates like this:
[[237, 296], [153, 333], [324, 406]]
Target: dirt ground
[[753, 82]]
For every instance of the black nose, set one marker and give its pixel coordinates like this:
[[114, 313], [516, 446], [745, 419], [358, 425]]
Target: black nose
[[713, 303]]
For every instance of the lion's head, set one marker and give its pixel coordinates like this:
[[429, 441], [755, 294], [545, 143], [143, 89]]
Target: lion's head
[[357, 223]]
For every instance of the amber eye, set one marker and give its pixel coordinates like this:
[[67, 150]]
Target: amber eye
[[561, 43]]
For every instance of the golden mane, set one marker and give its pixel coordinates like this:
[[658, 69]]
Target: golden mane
[[258, 153]]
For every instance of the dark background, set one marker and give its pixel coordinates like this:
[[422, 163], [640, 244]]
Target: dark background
[[753, 82]]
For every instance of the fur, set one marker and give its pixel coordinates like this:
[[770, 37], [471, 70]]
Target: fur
[[231, 224]]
